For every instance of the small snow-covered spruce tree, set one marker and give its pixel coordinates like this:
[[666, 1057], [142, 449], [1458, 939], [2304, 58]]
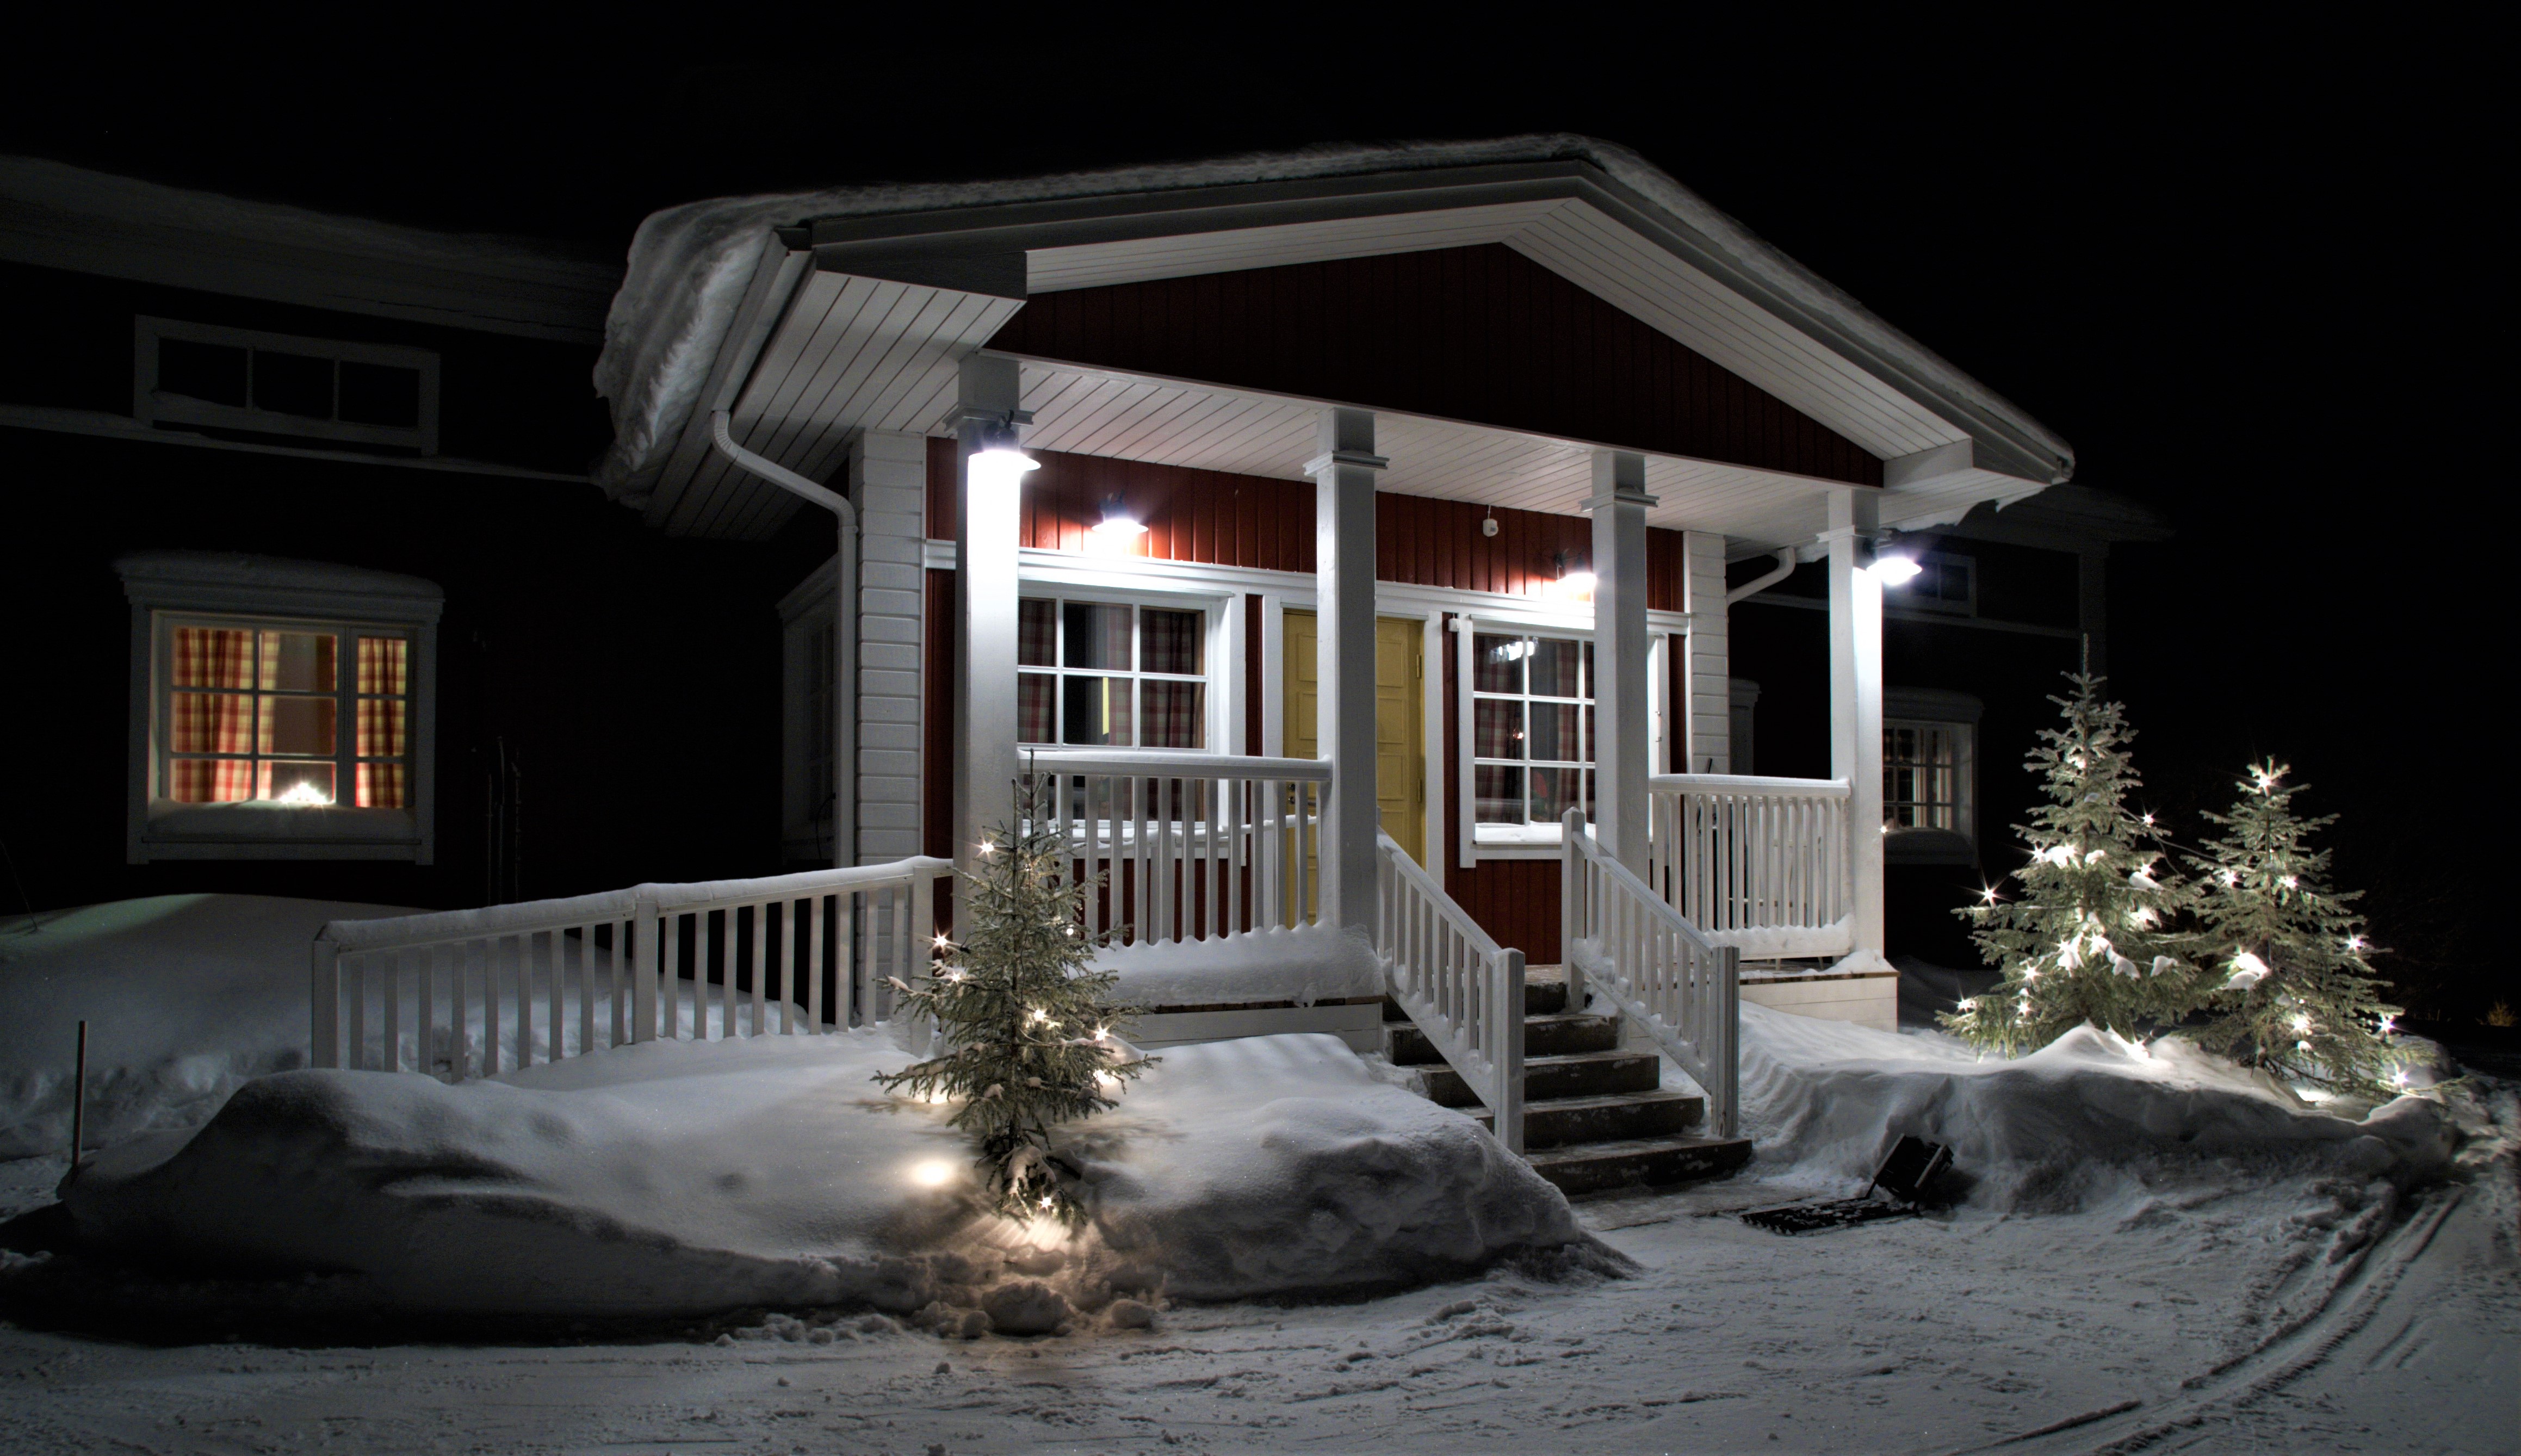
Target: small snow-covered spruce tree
[[2089, 937], [1024, 1013], [2297, 1000]]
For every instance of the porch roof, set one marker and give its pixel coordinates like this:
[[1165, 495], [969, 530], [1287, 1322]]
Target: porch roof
[[811, 317]]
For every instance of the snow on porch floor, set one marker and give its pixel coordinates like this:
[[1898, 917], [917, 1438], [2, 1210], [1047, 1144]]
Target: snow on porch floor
[[2228, 1317]]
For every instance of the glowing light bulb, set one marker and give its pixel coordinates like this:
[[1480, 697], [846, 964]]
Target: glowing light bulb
[[2398, 1079], [1988, 895], [934, 1173], [944, 943], [2389, 1025], [988, 848], [305, 796], [2302, 1024]]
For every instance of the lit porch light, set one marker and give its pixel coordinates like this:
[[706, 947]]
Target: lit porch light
[[998, 461], [1572, 581], [1117, 531], [1895, 562]]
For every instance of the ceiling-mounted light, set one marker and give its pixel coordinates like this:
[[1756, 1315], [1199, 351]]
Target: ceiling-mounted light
[[1118, 529]]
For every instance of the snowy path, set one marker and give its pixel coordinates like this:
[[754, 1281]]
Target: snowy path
[[2232, 1317]]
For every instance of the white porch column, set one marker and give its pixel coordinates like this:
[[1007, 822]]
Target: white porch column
[[985, 606], [1344, 562], [1620, 685], [1856, 699]]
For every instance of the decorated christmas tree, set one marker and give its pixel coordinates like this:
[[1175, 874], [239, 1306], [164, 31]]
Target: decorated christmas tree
[[2297, 997], [2089, 935], [1024, 1013]]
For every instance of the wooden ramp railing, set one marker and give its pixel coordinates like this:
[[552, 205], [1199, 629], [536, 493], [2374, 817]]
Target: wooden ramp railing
[[467, 992]]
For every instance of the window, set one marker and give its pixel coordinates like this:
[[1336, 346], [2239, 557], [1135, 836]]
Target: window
[[1943, 583], [1531, 734], [1929, 776], [806, 786], [1111, 674], [202, 376], [281, 709]]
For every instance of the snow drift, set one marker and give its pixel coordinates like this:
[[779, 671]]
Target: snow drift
[[683, 1178], [186, 997], [2063, 1127], [1305, 964]]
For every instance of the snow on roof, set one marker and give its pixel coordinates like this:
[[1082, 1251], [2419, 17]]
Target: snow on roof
[[689, 265]]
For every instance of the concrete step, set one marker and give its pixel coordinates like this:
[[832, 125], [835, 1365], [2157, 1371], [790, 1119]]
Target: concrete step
[[1562, 1121], [1639, 1163], [1562, 1034], [1582, 1075]]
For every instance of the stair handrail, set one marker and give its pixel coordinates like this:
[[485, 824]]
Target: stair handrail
[[1464, 990], [1656, 967]]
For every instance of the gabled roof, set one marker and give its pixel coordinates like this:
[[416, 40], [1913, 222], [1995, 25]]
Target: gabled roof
[[813, 315], [56, 216]]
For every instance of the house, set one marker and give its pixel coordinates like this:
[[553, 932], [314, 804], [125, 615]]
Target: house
[[1357, 539]]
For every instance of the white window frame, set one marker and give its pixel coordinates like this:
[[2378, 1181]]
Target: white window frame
[[1221, 623], [1957, 714], [153, 406], [168, 589], [1903, 595]]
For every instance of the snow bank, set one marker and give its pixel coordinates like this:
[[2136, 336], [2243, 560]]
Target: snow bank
[[681, 1178], [2063, 1127], [185, 996], [1304, 965]]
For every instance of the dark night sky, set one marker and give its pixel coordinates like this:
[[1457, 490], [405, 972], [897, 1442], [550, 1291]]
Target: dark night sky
[[2238, 264]]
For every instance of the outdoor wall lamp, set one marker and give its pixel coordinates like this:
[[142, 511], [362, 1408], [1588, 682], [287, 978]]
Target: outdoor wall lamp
[[1893, 559], [1572, 582], [999, 457], [1118, 529]]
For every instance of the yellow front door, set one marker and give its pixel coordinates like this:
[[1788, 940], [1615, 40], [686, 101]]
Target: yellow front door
[[1399, 718]]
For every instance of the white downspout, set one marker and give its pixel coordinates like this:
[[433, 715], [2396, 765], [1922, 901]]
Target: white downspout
[[845, 631], [1785, 569]]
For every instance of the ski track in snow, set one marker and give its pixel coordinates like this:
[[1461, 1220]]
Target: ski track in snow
[[2304, 1315]]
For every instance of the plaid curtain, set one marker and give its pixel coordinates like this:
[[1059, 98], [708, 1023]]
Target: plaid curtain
[[1175, 714], [384, 665], [209, 722]]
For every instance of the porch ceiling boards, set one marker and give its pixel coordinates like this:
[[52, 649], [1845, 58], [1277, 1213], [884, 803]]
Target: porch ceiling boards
[[1097, 412]]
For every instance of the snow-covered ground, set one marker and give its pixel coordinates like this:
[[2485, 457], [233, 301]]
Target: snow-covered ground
[[2231, 1315], [2156, 1252]]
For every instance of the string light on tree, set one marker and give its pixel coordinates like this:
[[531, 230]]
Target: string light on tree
[[2301, 1002], [1019, 976], [2087, 938]]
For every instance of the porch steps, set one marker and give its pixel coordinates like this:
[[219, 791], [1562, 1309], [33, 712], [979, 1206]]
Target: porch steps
[[1594, 1118]]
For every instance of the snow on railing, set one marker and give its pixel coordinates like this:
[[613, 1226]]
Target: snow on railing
[[1622, 939], [467, 992], [1194, 847], [1462, 988], [1739, 854]]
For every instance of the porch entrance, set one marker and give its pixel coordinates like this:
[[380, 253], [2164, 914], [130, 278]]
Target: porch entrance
[[1399, 718]]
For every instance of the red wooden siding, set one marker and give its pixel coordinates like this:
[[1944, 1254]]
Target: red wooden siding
[[1218, 519], [1480, 333], [937, 719]]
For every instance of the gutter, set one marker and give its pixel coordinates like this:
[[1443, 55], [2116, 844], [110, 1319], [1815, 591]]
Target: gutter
[[844, 628], [1785, 569]]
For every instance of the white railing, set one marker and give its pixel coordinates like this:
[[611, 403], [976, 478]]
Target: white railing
[[467, 992], [1462, 988], [1192, 847], [1758, 862], [1622, 939]]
